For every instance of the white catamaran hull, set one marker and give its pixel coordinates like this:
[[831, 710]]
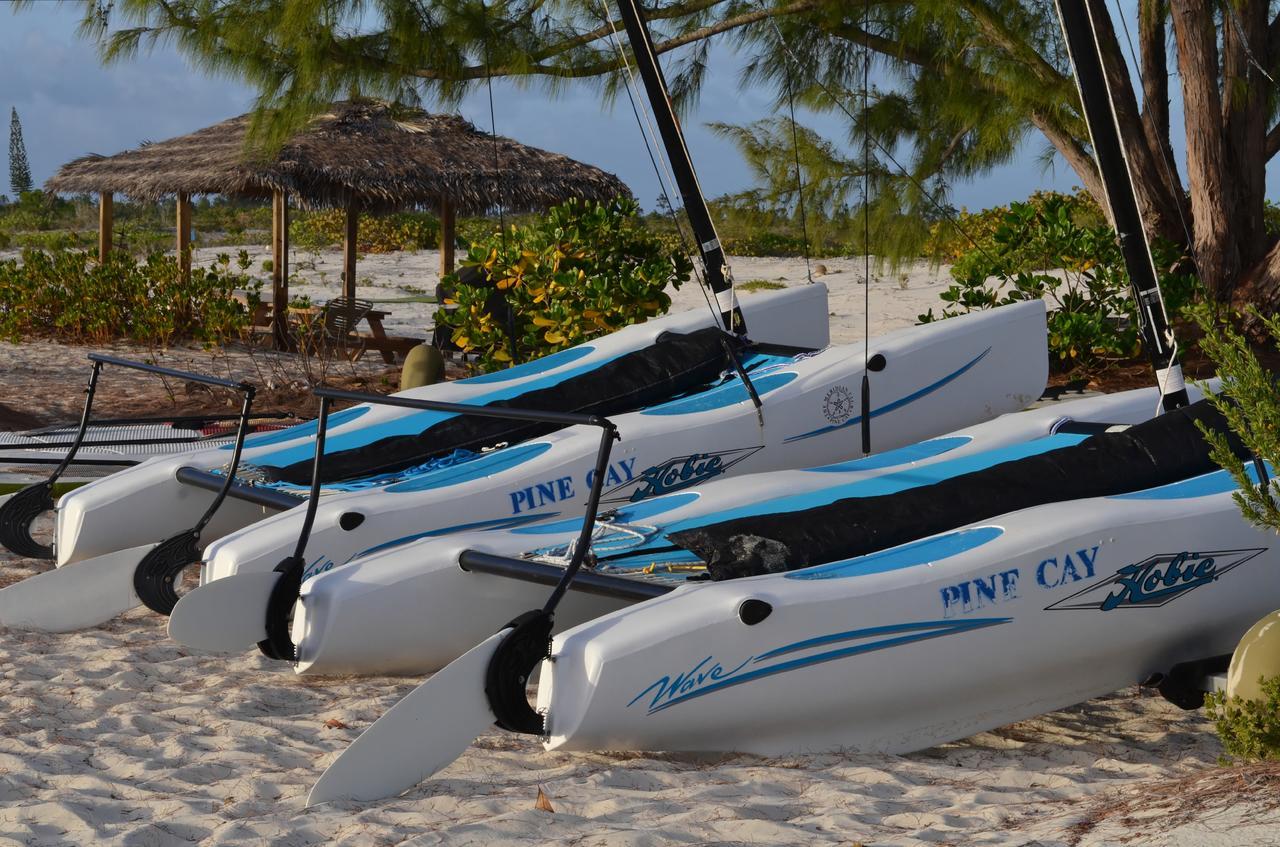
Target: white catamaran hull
[[938, 377], [412, 609], [924, 643], [147, 503]]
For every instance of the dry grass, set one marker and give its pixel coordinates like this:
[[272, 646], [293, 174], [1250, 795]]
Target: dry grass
[[1193, 798]]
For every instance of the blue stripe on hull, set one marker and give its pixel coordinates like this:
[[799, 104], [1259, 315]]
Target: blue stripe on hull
[[908, 555], [896, 404], [911, 633]]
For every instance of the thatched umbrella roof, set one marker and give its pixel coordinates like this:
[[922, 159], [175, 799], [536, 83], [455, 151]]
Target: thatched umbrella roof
[[379, 156]]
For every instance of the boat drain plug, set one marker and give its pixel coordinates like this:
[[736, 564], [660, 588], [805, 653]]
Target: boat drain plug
[[752, 611]]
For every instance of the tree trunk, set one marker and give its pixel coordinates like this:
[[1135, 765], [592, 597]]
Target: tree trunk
[[1156, 202], [1212, 198], [1259, 287], [1154, 71], [1244, 125]]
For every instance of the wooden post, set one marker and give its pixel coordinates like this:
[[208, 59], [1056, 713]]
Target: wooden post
[[448, 229], [106, 223], [349, 259], [184, 236], [280, 270]]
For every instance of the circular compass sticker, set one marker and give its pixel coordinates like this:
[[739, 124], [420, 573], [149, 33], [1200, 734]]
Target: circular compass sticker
[[837, 406]]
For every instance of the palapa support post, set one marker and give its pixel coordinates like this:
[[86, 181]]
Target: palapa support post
[[448, 234], [280, 270], [349, 260], [106, 224], [183, 223]]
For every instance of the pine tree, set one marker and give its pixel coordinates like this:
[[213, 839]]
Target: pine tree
[[19, 169]]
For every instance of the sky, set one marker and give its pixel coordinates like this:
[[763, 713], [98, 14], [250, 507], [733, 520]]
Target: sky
[[71, 105]]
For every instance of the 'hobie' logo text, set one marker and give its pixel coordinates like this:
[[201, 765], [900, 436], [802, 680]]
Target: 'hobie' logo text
[[1157, 580], [1147, 582], [675, 474]]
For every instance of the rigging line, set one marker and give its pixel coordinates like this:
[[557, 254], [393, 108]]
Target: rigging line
[[497, 175], [1238, 26], [795, 146], [866, 194], [947, 214], [650, 134]]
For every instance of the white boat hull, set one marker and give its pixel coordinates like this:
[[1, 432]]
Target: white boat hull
[[903, 649], [940, 377], [412, 609], [146, 503]]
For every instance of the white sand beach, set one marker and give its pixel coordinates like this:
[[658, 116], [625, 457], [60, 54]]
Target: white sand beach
[[897, 296], [118, 736]]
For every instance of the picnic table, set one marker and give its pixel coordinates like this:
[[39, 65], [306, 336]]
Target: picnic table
[[375, 339]]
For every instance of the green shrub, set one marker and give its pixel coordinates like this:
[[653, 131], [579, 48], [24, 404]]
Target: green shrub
[[71, 296], [57, 239], [380, 234], [1040, 250], [1251, 407], [582, 270], [968, 232], [1249, 729], [761, 285]]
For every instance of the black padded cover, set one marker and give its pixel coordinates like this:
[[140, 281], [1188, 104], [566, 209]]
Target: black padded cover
[[676, 363], [1165, 449]]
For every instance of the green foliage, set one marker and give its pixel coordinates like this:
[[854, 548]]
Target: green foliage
[[582, 270], [968, 76], [1040, 250], [377, 234], [1251, 405], [824, 185], [35, 210], [760, 285], [69, 295], [19, 168], [967, 232], [230, 215], [1249, 729]]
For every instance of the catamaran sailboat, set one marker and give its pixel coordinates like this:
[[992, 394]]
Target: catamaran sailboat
[[689, 399], [1013, 589]]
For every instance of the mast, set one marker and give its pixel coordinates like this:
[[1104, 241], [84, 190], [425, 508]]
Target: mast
[[719, 277], [1079, 18]]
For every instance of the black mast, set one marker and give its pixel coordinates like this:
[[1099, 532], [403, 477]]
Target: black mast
[[718, 275], [1079, 19]]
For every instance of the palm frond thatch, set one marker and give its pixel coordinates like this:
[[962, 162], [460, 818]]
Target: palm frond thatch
[[370, 155]]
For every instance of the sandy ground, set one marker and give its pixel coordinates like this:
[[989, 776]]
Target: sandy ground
[[896, 296], [119, 736]]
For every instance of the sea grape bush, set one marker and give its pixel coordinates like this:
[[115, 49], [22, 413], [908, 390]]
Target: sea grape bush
[[1249, 729], [1040, 250], [582, 270], [71, 296], [959, 234], [376, 234]]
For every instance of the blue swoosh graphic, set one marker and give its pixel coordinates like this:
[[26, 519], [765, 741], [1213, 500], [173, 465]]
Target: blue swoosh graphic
[[496, 523], [896, 404], [921, 631]]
